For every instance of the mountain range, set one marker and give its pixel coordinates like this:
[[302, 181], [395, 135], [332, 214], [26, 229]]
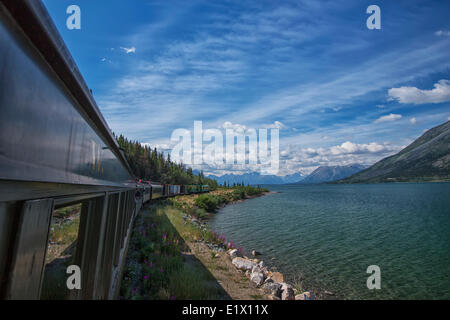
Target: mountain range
[[256, 178], [426, 159], [331, 173]]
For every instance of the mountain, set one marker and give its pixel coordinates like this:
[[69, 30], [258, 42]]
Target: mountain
[[256, 178], [331, 173], [426, 159]]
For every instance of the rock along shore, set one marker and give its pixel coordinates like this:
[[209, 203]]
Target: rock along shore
[[271, 282]]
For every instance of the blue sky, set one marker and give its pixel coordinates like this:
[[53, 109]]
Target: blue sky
[[339, 92]]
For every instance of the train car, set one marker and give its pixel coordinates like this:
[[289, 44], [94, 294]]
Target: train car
[[204, 188], [56, 151], [139, 194], [147, 193], [174, 190], [167, 190], [79, 162], [157, 191]]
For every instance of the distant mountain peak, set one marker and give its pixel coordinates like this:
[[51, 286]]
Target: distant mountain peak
[[331, 173], [255, 178], [426, 159]]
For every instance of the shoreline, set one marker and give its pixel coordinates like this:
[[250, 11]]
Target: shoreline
[[271, 281], [175, 254], [314, 293]]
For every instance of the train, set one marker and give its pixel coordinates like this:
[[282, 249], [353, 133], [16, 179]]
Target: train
[[57, 150], [146, 191]]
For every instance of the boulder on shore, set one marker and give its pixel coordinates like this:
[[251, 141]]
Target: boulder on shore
[[274, 288], [257, 277], [233, 253], [305, 296], [243, 264], [255, 253], [277, 277], [287, 292]]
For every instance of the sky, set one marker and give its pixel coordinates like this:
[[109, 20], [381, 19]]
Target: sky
[[338, 92]]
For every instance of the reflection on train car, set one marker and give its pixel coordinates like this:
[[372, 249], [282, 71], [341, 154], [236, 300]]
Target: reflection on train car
[[156, 190]]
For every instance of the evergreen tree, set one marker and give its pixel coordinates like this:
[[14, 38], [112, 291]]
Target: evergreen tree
[[149, 164]]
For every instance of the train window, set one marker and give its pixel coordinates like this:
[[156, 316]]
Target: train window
[[60, 252]]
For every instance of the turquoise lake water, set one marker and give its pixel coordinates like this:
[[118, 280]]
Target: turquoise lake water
[[330, 234]]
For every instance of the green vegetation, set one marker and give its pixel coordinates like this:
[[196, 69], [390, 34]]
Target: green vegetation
[[65, 234], [61, 247], [67, 211], [208, 202], [159, 265], [149, 164], [211, 202]]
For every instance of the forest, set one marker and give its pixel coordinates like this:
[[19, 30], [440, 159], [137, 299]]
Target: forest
[[149, 164]]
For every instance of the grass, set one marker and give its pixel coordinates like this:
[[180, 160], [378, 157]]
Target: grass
[[199, 205], [67, 211], [62, 242], [159, 266], [66, 233]]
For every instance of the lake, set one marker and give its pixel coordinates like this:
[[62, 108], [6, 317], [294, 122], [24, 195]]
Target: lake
[[330, 234]]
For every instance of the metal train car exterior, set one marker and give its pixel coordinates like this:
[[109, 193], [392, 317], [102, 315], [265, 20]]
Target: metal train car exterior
[[153, 191], [148, 191], [47, 165]]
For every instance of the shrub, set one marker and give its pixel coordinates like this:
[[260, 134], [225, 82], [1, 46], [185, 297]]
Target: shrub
[[201, 213], [208, 202]]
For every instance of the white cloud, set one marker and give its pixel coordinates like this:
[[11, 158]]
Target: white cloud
[[390, 117], [295, 157], [442, 33], [381, 106], [129, 50], [275, 125], [440, 93], [413, 120], [238, 128], [354, 148]]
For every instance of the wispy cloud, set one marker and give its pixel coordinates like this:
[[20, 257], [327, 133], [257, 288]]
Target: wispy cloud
[[258, 65], [388, 118], [129, 50], [443, 33]]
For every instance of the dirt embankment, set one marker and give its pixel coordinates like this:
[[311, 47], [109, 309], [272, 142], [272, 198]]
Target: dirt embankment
[[234, 282]]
